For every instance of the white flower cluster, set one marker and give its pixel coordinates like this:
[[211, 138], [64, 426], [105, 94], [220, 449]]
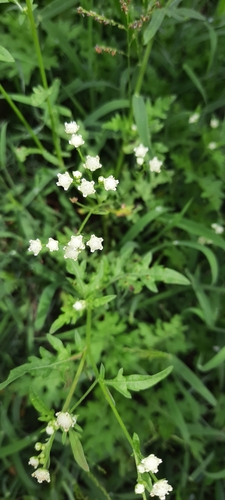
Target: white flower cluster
[[160, 488], [72, 129], [217, 228], [63, 421], [71, 250], [140, 153], [92, 163]]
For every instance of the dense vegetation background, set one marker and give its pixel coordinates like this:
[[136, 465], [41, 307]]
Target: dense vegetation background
[[156, 79]]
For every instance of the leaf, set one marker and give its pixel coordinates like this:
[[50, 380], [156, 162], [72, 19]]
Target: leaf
[[195, 80], [141, 224], [105, 109], [154, 25], [5, 55], [213, 37], [102, 300], [184, 372], [77, 450], [39, 405], [191, 14], [58, 323], [207, 252], [160, 273], [214, 362], [141, 119], [44, 305], [136, 382]]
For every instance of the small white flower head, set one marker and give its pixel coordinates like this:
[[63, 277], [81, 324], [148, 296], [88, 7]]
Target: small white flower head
[[140, 151], [34, 462], [134, 127], [140, 160], [64, 180], [155, 165], [65, 420], [86, 187], [76, 242], [52, 245], [79, 305], [139, 489], [77, 175], [92, 163], [214, 123], [212, 145], [149, 464], [194, 118], [204, 241], [35, 246], [71, 128], [110, 183], [70, 253], [76, 140], [217, 228], [41, 475], [95, 243], [161, 489], [50, 429]]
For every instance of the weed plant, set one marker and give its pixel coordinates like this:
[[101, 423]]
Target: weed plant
[[112, 250]]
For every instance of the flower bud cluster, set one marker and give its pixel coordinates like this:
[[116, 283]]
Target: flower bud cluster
[[63, 421], [160, 488]]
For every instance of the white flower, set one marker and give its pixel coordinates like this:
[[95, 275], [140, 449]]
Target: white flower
[[76, 242], [194, 118], [140, 151], [77, 174], [64, 180], [155, 165], [217, 228], [110, 183], [52, 245], [79, 305], [41, 475], [212, 145], [214, 123], [149, 464], [92, 163], [76, 140], [71, 127], [35, 246], [86, 187], [70, 253], [161, 489], [65, 420], [95, 243], [134, 127], [139, 489], [34, 462]]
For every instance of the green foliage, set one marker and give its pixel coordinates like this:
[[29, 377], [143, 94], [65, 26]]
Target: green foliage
[[151, 303]]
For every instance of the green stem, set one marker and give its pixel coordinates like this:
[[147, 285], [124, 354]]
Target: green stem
[[44, 79], [74, 384], [101, 383], [48, 448], [143, 67], [85, 220], [84, 396], [21, 118]]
